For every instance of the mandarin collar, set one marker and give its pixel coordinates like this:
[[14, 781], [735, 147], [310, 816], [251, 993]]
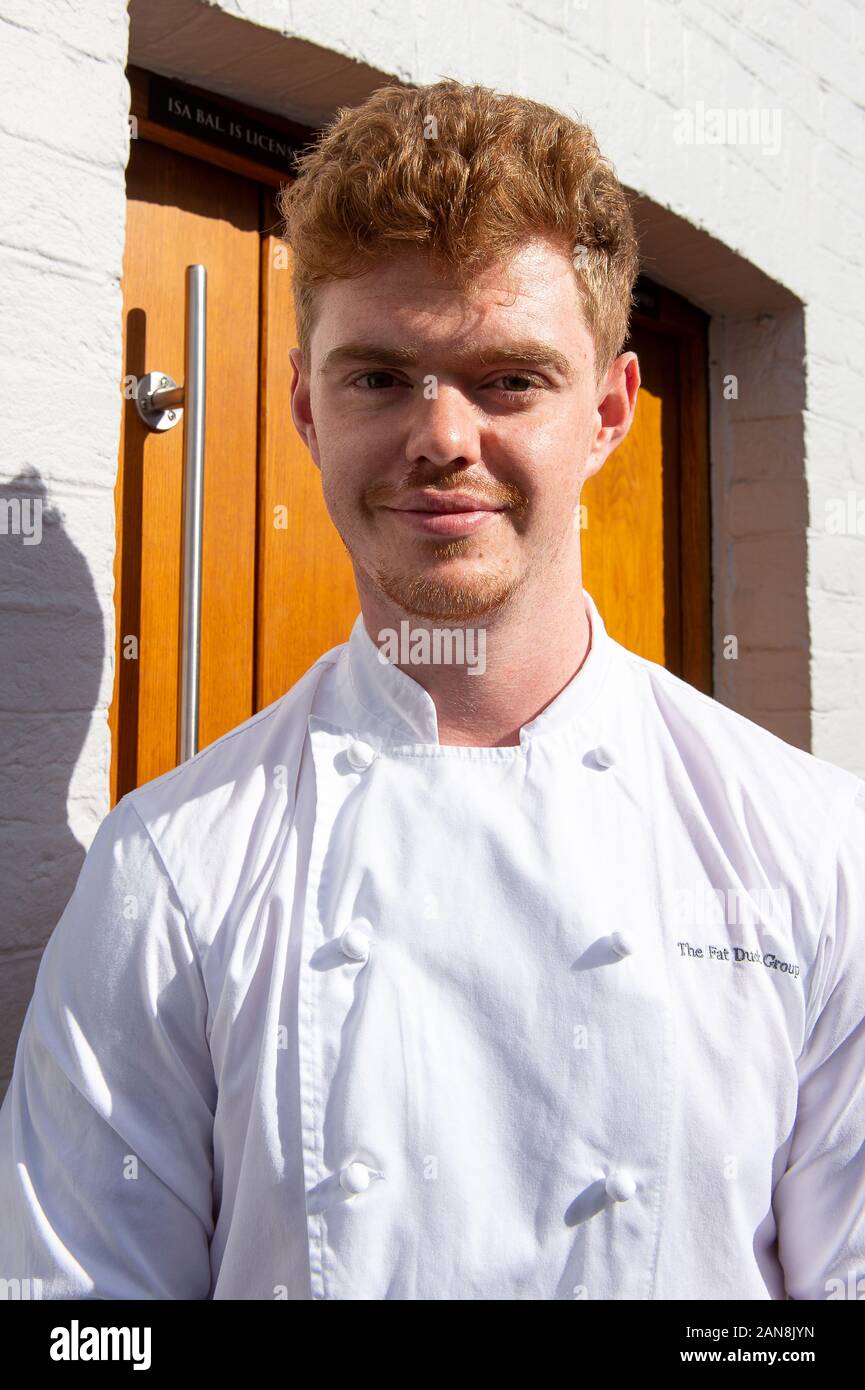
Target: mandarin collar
[[392, 704]]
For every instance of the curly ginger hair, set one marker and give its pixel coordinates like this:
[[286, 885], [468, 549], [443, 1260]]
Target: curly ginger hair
[[468, 175]]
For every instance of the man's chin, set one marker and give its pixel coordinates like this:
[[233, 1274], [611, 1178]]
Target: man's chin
[[455, 601]]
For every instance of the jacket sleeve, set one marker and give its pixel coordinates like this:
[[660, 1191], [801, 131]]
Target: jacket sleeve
[[820, 1199], [106, 1132]]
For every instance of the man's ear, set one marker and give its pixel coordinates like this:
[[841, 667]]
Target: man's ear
[[617, 401], [301, 408]]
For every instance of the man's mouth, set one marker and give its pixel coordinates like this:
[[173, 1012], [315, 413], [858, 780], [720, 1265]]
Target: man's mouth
[[445, 514], [446, 502]]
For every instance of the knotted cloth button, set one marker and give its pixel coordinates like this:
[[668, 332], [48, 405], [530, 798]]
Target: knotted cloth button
[[354, 943], [360, 755], [620, 1186], [623, 943], [354, 1178], [604, 755]]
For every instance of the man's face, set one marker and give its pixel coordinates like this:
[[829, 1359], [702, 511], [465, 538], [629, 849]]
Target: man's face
[[418, 396]]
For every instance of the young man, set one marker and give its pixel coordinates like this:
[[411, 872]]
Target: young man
[[540, 977]]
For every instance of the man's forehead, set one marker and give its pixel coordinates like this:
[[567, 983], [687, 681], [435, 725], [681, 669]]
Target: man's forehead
[[535, 271], [526, 309]]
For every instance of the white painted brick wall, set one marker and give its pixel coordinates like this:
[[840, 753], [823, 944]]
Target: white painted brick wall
[[64, 104], [628, 67]]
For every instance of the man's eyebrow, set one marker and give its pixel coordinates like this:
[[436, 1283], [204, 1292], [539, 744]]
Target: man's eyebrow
[[529, 352], [369, 352]]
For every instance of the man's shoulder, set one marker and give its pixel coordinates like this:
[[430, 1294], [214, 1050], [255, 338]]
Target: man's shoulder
[[256, 758], [720, 749]]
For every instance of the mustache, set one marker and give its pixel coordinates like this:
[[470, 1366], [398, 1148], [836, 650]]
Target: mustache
[[496, 495]]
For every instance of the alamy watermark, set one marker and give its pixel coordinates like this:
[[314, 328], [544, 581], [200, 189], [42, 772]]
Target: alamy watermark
[[712, 125], [22, 516], [438, 646], [20, 1289], [705, 906], [77, 1343], [845, 516]]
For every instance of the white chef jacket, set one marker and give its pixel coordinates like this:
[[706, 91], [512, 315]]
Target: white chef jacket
[[338, 1012]]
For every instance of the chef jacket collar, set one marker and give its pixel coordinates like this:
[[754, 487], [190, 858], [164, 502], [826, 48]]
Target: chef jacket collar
[[403, 712]]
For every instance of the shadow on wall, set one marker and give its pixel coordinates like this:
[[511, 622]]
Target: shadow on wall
[[53, 651]]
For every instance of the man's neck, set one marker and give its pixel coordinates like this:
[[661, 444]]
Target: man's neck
[[530, 651]]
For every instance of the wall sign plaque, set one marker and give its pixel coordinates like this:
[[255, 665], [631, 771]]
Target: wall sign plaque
[[222, 125]]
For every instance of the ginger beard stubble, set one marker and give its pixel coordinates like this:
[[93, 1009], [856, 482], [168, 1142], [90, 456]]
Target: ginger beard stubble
[[487, 585]]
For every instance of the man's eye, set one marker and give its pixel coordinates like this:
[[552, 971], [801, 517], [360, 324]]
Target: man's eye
[[379, 381], [518, 384]]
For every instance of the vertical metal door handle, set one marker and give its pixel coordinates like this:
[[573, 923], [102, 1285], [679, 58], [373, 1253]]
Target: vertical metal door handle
[[159, 399], [193, 511]]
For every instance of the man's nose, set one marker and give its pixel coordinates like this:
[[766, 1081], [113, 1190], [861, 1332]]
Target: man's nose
[[444, 429]]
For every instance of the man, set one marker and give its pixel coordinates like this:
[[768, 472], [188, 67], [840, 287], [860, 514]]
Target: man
[[535, 977]]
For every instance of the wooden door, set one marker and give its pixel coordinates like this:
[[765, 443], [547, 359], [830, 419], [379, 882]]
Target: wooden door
[[645, 542], [277, 584], [180, 211]]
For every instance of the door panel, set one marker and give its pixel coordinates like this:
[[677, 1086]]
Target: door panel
[[182, 211], [307, 599], [630, 540]]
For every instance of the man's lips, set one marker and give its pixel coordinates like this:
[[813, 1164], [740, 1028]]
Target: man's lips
[[445, 514], [446, 502]]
